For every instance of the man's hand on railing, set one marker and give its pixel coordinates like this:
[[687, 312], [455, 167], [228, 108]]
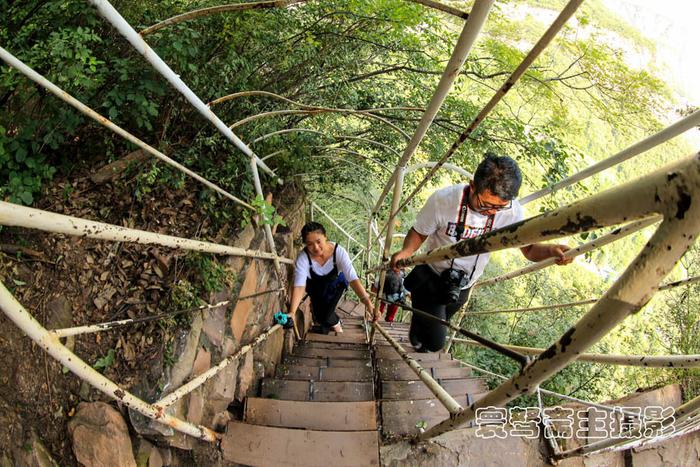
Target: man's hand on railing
[[401, 254], [557, 251], [540, 251]]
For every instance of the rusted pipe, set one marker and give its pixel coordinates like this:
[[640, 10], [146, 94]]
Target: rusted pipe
[[674, 190], [22, 216], [599, 242]]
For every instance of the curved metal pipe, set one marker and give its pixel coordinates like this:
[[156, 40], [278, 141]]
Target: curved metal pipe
[[202, 12]]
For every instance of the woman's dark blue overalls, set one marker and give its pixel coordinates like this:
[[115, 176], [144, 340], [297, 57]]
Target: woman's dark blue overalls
[[325, 292]]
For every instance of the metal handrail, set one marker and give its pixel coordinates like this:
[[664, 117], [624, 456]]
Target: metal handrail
[[649, 361], [502, 349], [442, 395], [669, 286], [23, 216]]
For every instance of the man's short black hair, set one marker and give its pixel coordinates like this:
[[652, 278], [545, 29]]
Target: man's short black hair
[[500, 174], [311, 227]]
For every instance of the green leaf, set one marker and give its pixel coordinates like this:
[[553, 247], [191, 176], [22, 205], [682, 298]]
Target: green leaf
[[18, 282], [104, 362], [26, 197], [20, 154]]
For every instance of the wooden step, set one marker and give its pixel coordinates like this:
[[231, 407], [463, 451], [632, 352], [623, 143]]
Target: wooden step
[[347, 305], [321, 391], [262, 445], [403, 390], [325, 416], [303, 351], [326, 362], [335, 345], [388, 365], [389, 353], [402, 418], [340, 338], [319, 373], [404, 373]]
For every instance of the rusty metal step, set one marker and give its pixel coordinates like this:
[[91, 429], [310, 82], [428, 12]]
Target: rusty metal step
[[403, 372], [406, 417], [327, 362], [404, 390], [262, 445], [303, 351], [319, 373], [321, 391], [325, 416]]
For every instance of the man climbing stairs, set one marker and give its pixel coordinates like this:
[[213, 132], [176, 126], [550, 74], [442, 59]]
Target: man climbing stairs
[[323, 405]]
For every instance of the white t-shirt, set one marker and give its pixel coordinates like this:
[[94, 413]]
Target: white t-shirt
[[440, 214], [342, 260]]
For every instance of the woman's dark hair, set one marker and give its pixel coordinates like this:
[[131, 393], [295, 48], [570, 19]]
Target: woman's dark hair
[[311, 227], [501, 175]]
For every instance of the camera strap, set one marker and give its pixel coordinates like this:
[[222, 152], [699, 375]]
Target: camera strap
[[462, 222], [462, 216]]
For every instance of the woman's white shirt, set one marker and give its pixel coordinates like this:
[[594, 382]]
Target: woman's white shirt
[[342, 260]]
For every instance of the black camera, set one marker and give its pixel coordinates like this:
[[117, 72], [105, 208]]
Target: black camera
[[453, 280]]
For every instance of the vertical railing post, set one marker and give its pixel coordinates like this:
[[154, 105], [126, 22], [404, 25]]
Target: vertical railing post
[[268, 234], [472, 27], [460, 317], [398, 187]]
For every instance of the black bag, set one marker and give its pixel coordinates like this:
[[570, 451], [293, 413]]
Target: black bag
[[424, 281]]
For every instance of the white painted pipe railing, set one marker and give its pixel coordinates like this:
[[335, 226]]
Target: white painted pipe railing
[[22, 216], [650, 361], [472, 28], [681, 126], [536, 50]]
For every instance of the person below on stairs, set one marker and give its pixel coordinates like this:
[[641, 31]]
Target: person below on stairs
[[392, 291], [452, 214], [324, 270]]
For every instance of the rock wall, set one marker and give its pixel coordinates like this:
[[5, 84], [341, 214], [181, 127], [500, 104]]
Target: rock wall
[[220, 332]]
